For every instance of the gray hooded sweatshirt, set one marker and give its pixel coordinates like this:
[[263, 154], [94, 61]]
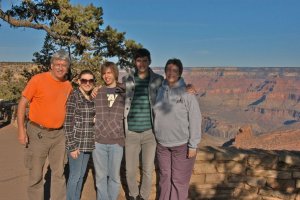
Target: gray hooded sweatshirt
[[177, 118]]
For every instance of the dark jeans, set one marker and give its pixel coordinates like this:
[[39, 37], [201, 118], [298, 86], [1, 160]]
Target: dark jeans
[[175, 171]]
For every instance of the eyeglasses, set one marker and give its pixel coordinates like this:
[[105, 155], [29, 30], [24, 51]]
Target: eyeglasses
[[60, 65], [85, 81]]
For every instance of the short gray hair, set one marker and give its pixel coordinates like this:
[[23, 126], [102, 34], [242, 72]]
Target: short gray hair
[[61, 55]]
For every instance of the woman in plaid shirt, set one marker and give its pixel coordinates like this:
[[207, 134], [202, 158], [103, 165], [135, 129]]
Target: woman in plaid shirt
[[79, 132]]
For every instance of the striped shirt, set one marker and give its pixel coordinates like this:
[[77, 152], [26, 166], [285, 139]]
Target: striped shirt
[[79, 123], [139, 117]]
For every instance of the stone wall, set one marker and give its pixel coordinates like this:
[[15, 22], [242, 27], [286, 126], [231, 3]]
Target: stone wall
[[230, 173]]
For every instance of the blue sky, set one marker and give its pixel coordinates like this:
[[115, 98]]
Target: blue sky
[[202, 33]]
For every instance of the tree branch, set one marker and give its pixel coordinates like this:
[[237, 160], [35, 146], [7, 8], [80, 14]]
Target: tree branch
[[28, 24]]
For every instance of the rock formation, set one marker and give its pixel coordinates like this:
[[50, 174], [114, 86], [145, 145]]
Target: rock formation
[[280, 140], [265, 98]]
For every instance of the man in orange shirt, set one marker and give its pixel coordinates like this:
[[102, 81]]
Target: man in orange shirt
[[46, 94]]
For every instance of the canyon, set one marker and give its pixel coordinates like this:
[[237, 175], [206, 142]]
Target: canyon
[[259, 101], [265, 100]]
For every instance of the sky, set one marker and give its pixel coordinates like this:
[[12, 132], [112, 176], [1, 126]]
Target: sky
[[202, 33]]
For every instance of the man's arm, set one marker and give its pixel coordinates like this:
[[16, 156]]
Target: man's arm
[[22, 135]]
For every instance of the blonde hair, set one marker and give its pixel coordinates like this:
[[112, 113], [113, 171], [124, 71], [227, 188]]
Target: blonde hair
[[110, 65]]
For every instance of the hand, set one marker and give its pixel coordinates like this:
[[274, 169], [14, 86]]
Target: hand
[[95, 91], [75, 154], [191, 153], [22, 137], [190, 89]]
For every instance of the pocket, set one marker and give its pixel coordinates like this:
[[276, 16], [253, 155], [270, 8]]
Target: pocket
[[34, 133], [28, 158]]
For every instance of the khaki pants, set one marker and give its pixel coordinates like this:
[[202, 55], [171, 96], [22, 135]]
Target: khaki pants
[[43, 144], [136, 143]]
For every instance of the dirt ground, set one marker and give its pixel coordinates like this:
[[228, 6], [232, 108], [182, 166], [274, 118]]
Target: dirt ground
[[13, 174]]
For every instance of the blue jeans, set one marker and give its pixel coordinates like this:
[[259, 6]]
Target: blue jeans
[[107, 161], [77, 169]]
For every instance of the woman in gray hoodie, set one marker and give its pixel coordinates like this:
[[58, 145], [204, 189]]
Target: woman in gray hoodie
[[177, 126]]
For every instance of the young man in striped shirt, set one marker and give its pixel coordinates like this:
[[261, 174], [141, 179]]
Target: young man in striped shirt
[[141, 90]]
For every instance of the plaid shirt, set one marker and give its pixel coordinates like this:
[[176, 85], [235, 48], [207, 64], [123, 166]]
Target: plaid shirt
[[79, 123]]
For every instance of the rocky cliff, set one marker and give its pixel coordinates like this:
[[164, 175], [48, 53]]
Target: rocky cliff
[[278, 140], [265, 98]]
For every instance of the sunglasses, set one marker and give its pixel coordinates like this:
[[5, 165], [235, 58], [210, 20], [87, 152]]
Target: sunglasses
[[85, 81]]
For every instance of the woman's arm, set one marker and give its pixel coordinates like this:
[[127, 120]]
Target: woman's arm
[[195, 120], [70, 121]]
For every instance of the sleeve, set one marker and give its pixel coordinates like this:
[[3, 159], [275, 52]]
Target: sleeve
[[31, 88], [69, 123], [195, 119]]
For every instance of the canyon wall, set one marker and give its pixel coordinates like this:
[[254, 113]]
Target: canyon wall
[[265, 98], [278, 140]]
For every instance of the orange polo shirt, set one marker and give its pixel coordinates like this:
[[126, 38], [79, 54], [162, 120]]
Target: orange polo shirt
[[47, 98]]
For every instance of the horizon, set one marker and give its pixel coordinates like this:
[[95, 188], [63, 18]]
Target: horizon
[[202, 33], [184, 67]]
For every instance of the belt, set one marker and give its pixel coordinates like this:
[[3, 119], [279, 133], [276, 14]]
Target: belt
[[43, 127]]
